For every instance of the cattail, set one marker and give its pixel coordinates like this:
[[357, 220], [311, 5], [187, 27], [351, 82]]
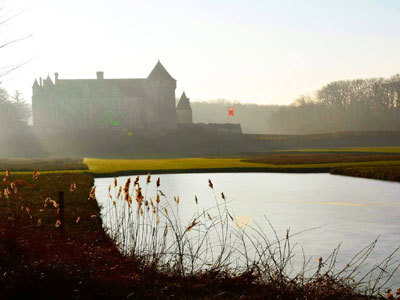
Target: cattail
[[209, 216], [165, 230], [223, 196], [115, 182], [196, 200], [148, 178], [166, 211], [92, 194], [139, 195], [210, 184], [114, 203], [191, 225], [151, 203], [389, 295], [158, 220], [58, 223], [320, 260], [109, 189], [136, 182], [77, 220], [141, 211], [35, 174], [176, 199], [7, 192], [158, 182], [158, 198], [127, 184], [119, 192], [72, 188]]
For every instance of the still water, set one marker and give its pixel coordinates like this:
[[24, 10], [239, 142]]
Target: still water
[[346, 210]]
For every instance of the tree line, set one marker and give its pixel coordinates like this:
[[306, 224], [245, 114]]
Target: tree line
[[348, 105], [14, 112]]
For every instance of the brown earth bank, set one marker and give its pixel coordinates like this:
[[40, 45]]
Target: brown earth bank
[[39, 260], [320, 158], [390, 173], [41, 164]]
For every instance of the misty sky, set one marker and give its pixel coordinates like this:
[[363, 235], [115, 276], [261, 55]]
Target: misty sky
[[256, 51]]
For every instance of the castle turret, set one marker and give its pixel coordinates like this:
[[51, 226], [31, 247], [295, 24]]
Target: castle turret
[[48, 81], [184, 113], [160, 93], [35, 85], [35, 105]]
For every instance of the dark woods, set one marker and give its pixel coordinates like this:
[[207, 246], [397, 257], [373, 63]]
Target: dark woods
[[14, 112], [348, 105]]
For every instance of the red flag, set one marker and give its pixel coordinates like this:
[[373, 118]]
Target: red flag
[[230, 112]]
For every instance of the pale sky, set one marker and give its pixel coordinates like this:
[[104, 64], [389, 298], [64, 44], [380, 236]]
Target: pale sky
[[258, 51]]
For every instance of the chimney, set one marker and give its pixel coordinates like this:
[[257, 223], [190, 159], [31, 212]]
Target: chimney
[[55, 77], [100, 75]]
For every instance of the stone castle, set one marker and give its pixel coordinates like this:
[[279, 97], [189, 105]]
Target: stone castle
[[140, 104]]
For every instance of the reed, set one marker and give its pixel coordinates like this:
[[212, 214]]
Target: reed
[[213, 241]]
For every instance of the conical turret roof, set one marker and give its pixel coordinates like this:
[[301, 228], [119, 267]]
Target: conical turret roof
[[35, 84], [184, 103], [159, 73], [48, 81]]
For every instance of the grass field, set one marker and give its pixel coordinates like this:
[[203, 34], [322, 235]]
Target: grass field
[[208, 164]]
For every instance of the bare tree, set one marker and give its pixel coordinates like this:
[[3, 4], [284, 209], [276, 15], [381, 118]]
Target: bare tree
[[5, 17]]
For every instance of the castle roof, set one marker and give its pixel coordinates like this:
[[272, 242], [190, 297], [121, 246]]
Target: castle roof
[[184, 103], [35, 84], [159, 73], [127, 86]]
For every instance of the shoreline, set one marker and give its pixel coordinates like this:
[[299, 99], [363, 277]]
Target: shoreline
[[209, 170]]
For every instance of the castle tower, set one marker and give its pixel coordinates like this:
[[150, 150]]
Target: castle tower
[[184, 113], [159, 89], [35, 103]]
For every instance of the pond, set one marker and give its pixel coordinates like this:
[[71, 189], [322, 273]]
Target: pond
[[330, 209]]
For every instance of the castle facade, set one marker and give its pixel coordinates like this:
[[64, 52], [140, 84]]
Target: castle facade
[[131, 103]]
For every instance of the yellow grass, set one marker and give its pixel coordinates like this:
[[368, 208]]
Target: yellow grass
[[115, 165]]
